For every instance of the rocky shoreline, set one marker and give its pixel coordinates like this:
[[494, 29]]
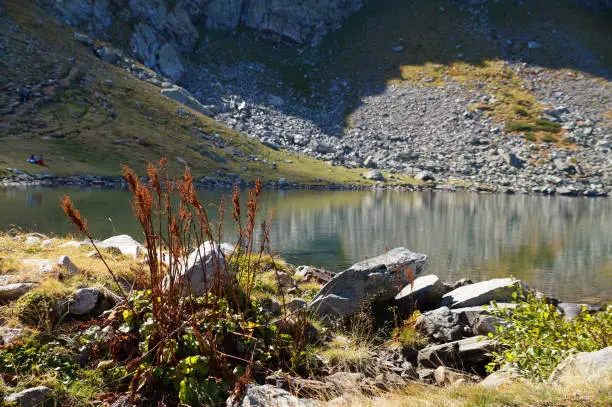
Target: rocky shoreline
[[20, 179], [455, 319]]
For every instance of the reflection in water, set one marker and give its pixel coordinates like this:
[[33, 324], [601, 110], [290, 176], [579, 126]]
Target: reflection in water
[[563, 246]]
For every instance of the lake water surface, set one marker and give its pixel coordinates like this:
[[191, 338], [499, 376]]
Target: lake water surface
[[562, 246]]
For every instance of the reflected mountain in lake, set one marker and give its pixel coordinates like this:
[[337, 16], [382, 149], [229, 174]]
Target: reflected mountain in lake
[[562, 246]]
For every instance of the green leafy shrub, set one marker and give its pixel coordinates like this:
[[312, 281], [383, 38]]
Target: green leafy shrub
[[535, 337], [31, 357]]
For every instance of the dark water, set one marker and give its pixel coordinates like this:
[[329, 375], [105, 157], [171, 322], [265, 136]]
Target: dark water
[[562, 246]]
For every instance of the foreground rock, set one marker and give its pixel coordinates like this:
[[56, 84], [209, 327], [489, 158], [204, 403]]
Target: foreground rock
[[502, 377], [85, 300], [205, 265], [8, 335], [446, 375], [267, 395], [34, 396], [482, 293], [125, 243], [13, 291], [594, 368], [467, 354], [368, 282], [423, 294]]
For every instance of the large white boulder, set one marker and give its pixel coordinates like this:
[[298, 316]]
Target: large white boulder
[[594, 368], [124, 243], [482, 293]]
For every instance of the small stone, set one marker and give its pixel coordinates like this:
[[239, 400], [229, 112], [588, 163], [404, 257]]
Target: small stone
[[65, 263], [32, 240]]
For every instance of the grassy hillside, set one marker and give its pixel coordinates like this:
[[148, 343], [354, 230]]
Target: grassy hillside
[[93, 116]]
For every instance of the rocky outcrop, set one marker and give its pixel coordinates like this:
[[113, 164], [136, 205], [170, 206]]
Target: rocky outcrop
[[158, 31], [440, 325], [371, 281]]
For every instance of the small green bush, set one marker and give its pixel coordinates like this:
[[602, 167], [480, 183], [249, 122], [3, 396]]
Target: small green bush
[[548, 138], [548, 126], [535, 337], [521, 111], [530, 136], [37, 309]]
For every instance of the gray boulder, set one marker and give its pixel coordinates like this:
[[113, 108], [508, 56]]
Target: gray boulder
[[573, 311], [482, 293], [594, 368], [368, 282], [502, 377], [85, 300], [108, 54], [309, 273], [82, 38], [180, 95], [8, 335], [31, 397], [204, 265], [441, 325], [13, 291], [423, 294], [65, 263], [374, 175], [478, 319], [267, 395], [469, 354], [124, 243]]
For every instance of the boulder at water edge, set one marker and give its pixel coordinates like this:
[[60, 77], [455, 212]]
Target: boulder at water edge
[[423, 294], [368, 282], [473, 295]]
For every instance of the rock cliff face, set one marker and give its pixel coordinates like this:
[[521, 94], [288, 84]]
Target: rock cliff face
[[157, 31]]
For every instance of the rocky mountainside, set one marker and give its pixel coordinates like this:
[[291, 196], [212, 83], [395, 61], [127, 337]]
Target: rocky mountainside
[[157, 31], [498, 95]]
